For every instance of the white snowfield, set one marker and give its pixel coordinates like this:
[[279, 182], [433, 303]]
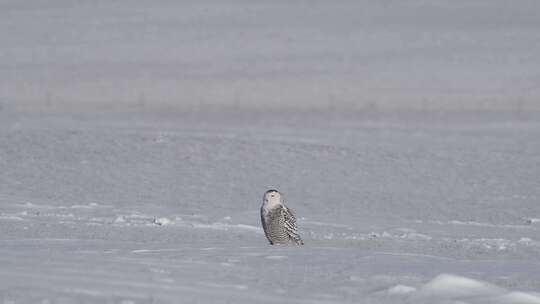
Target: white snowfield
[[138, 137], [131, 208]]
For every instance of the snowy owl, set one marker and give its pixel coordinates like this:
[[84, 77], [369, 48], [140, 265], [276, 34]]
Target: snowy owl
[[278, 221]]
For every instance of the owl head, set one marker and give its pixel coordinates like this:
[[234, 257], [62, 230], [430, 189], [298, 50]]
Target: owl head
[[272, 197]]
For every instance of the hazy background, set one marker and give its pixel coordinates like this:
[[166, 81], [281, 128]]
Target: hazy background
[[82, 55]]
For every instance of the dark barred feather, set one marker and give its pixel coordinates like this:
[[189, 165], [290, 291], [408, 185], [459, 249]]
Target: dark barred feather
[[280, 226]]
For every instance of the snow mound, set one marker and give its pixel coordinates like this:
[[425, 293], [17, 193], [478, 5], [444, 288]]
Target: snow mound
[[517, 297], [451, 286], [448, 288], [401, 290]]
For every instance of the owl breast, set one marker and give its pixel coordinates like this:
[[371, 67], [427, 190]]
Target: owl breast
[[274, 227]]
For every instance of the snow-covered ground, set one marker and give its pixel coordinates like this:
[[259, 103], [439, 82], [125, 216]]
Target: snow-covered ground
[[137, 138], [139, 208]]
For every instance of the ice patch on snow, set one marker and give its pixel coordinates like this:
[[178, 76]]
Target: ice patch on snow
[[276, 257], [403, 233], [416, 236], [473, 224], [225, 226], [119, 220], [10, 217], [248, 227], [162, 221], [316, 223], [526, 241], [155, 250], [226, 286], [194, 221], [490, 244], [53, 207]]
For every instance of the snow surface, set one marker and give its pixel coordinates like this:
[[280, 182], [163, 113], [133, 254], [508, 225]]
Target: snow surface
[[137, 138], [164, 208]]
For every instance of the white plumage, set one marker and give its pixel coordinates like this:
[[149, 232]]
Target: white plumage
[[278, 220]]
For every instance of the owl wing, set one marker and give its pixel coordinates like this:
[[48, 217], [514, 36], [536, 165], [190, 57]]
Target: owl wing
[[265, 229], [290, 225]]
